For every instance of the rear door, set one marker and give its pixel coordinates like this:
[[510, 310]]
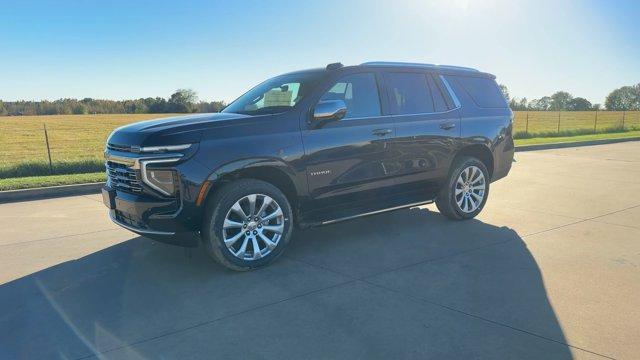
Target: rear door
[[427, 127]]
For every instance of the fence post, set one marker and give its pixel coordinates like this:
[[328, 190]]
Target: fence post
[[46, 138], [526, 127], [559, 112], [595, 123], [624, 113]]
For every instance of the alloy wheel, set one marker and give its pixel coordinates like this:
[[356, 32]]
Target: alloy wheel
[[253, 227], [470, 189]]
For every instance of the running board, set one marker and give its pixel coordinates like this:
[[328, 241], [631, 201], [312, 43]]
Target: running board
[[376, 212]]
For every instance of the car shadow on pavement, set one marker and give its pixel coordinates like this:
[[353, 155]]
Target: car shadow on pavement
[[476, 284]]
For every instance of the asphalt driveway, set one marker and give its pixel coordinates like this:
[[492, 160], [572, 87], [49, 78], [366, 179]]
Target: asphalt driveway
[[551, 269]]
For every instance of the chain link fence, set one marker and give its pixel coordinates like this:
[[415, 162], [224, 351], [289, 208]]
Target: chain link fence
[[555, 123]]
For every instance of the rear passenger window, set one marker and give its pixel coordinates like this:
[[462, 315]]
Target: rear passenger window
[[408, 93], [438, 97], [359, 92], [484, 91]]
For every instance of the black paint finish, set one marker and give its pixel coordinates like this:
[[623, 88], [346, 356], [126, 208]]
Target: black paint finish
[[339, 169]]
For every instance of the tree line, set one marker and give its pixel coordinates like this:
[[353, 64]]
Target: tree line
[[181, 101], [625, 98], [186, 101]]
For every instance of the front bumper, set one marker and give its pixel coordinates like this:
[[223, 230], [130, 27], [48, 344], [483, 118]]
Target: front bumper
[[164, 221], [136, 206]]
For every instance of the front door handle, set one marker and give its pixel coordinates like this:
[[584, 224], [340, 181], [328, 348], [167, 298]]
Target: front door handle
[[447, 126], [382, 132]]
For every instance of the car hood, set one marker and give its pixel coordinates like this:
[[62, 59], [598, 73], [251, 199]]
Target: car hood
[[170, 131]]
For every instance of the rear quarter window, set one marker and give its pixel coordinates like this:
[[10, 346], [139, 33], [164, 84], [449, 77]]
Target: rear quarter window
[[484, 91]]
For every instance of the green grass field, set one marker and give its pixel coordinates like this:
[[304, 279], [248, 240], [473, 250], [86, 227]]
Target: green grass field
[[77, 141]]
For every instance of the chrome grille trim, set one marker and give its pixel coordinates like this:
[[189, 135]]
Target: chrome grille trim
[[123, 177]]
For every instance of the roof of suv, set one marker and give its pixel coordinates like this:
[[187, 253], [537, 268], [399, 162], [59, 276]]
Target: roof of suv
[[441, 69], [445, 69]]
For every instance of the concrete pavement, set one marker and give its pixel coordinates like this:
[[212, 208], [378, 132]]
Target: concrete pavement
[[551, 269]]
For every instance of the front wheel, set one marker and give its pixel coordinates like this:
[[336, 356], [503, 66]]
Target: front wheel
[[247, 225], [465, 192]]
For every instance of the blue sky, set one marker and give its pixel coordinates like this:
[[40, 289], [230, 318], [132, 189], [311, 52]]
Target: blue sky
[[130, 49]]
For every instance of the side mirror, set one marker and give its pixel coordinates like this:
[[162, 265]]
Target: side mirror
[[329, 110]]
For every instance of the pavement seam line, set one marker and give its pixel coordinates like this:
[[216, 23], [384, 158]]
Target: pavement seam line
[[581, 221], [364, 280], [211, 321], [416, 298], [58, 237]]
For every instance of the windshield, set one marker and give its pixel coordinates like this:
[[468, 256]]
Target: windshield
[[275, 95]]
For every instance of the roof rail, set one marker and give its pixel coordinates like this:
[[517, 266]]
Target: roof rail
[[422, 65]]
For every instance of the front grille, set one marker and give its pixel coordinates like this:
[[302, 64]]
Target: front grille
[[123, 148], [122, 177]]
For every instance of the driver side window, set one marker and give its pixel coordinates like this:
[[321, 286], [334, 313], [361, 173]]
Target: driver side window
[[359, 93]]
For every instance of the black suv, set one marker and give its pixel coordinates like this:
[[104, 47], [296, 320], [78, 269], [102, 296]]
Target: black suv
[[309, 148]]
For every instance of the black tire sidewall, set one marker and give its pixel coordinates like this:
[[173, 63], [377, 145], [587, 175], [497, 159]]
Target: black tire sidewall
[[215, 218]]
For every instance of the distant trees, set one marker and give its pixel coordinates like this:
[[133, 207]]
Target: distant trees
[[579, 104], [181, 101], [624, 98]]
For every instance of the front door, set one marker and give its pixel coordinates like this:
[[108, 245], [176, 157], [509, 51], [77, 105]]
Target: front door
[[347, 159]]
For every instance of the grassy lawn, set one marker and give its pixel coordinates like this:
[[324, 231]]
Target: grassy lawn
[[568, 139], [77, 141], [52, 180]]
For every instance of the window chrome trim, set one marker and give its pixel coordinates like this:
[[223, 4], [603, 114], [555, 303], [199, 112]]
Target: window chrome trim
[[456, 101], [143, 171]]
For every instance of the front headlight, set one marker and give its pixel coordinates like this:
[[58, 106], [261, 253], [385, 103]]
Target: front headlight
[[162, 180]]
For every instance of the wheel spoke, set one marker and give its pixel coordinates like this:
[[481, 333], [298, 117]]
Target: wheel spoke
[[270, 244], [252, 204], [243, 248], [256, 249], [273, 215], [275, 228], [230, 224], [458, 191], [265, 203], [233, 239], [472, 203], [236, 208]]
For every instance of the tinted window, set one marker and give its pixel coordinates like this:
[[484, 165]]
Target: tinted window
[[408, 93], [438, 98], [359, 92], [275, 95], [483, 91]]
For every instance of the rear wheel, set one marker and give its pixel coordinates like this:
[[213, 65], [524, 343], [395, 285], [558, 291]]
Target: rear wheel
[[466, 190], [247, 225]]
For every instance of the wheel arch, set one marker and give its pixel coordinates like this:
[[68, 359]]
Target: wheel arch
[[271, 171], [480, 152]]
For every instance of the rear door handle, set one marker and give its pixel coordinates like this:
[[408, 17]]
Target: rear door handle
[[447, 126], [382, 132]]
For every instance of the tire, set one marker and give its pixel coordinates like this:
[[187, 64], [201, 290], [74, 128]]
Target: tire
[[222, 217], [453, 205]]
